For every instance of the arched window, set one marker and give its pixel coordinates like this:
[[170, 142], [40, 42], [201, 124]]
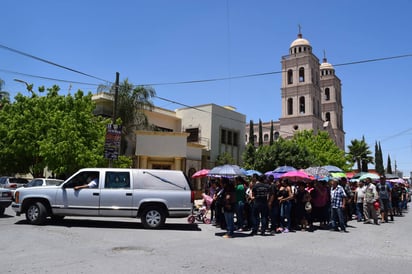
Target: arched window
[[302, 105], [327, 94], [301, 75], [265, 137], [290, 106], [290, 77], [327, 116], [255, 138]]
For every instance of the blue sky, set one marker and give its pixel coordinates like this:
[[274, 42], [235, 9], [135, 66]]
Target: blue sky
[[160, 41]]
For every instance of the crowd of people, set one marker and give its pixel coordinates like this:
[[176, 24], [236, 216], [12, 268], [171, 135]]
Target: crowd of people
[[268, 206]]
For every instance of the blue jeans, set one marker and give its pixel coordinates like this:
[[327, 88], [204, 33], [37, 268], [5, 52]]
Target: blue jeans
[[285, 209], [230, 222], [359, 211], [337, 215], [240, 207]]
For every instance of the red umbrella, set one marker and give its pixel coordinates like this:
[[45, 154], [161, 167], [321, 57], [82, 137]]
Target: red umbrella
[[201, 173], [297, 175]]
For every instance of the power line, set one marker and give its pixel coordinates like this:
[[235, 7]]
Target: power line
[[49, 62], [48, 78], [373, 60], [208, 112]]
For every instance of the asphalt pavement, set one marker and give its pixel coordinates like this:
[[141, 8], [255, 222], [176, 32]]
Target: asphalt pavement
[[116, 245]]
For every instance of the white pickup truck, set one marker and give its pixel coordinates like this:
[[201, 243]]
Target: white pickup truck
[[153, 195]]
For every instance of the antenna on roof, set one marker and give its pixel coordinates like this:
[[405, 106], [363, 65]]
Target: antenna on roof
[[324, 56]]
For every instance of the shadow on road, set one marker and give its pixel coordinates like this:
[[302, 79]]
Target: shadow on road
[[5, 216], [113, 224]]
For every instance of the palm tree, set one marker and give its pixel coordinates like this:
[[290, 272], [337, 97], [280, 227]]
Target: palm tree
[[359, 153], [131, 103]]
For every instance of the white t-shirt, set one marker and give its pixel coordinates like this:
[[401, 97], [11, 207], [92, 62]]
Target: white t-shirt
[[360, 194]]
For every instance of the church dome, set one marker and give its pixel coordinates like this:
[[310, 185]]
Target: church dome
[[326, 65], [300, 42]]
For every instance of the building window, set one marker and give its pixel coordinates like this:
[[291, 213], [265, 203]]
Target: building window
[[302, 105], [265, 137], [229, 138], [290, 106], [255, 138], [301, 75], [193, 134], [223, 136], [327, 94], [290, 77], [235, 139], [327, 116]]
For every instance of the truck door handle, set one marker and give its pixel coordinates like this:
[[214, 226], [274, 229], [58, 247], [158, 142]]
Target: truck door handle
[[95, 194], [128, 194]]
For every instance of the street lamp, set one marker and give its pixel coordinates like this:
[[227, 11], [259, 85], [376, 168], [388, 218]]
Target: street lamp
[[28, 87]]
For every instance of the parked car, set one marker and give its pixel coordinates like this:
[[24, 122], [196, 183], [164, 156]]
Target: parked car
[[149, 194], [12, 182], [44, 182], [5, 199]]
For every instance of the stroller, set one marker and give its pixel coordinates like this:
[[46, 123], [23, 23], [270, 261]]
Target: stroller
[[200, 213]]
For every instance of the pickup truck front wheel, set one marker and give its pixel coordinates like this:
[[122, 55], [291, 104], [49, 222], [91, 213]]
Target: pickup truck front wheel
[[36, 213], [153, 217]]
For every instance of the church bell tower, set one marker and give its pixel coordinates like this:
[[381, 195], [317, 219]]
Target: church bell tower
[[300, 91]]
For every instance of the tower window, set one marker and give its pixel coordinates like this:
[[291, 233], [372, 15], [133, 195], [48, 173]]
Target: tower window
[[290, 77], [301, 75], [327, 116], [327, 94], [302, 105], [290, 106]]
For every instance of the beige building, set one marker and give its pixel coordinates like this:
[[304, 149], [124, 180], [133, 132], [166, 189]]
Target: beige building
[[186, 139], [311, 97]]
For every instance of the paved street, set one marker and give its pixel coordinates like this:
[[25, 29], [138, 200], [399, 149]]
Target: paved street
[[113, 245]]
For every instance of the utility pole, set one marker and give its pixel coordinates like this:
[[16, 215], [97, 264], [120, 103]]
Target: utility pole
[[113, 125], [116, 92]]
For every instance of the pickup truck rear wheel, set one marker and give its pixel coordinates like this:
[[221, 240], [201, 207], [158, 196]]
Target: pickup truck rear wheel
[[36, 213], [2, 209], [153, 217]]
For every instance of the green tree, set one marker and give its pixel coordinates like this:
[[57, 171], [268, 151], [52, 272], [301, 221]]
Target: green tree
[[389, 165], [271, 133], [58, 132], [224, 158], [359, 153], [248, 156], [260, 133], [378, 159], [282, 152], [321, 148], [251, 133]]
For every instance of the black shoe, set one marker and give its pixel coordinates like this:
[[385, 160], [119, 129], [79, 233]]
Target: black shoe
[[253, 233]]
